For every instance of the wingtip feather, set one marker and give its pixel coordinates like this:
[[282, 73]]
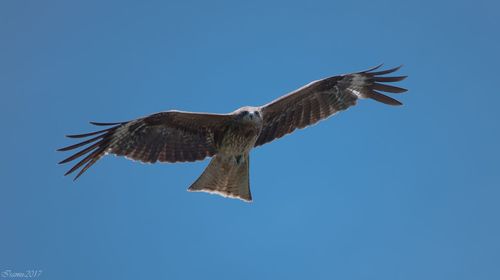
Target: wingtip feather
[[388, 88], [105, 124], [383, 98], [373, 68], [388, 71], [389, 79]]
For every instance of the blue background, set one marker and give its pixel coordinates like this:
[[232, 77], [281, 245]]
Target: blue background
[[377, 192]]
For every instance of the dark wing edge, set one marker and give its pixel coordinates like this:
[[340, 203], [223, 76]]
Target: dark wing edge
[[370, 84], [171, 136], [94, 152], [321, 99]]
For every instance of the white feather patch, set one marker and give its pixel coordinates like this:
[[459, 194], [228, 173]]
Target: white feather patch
[[216, 192], [357, 83]]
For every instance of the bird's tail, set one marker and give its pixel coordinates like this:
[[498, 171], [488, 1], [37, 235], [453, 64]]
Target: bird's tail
[[227, 176]]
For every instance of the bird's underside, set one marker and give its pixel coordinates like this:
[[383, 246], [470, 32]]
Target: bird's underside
[[175, 136]]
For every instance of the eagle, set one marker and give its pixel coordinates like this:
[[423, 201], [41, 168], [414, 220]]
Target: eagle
[[178, 136]]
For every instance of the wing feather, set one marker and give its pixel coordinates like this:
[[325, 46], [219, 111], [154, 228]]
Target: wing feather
[[323, 98], [388, 88], [171, 136]]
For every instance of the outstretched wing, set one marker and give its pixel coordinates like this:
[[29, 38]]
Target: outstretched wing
[[323, 98], [170, 136]]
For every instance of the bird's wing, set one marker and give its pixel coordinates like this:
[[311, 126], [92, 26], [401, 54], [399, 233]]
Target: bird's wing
[[323, 98], [171, 136]]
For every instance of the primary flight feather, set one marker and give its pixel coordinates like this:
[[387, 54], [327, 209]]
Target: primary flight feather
[[176, 136]]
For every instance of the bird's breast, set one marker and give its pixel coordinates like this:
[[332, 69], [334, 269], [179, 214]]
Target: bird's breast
[[240, 138]]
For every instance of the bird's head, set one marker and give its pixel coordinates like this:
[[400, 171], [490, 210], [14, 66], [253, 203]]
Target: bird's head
[[250, 114]]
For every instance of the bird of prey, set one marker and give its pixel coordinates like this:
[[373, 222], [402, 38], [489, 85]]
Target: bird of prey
[[176, 136]]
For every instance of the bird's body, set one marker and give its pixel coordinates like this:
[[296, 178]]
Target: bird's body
[[242, 132], [175, 136], [227, 174]]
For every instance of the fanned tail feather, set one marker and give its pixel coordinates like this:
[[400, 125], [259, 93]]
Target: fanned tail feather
[[225, 175]]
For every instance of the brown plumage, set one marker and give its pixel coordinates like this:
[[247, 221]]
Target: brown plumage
[[175, 136]]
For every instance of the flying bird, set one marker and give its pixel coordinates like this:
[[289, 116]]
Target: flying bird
[[177, 136]]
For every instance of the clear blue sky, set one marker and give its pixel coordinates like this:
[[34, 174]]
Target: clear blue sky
[[377, 192]]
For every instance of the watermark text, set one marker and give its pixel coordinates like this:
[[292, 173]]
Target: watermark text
[[31, 273]]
